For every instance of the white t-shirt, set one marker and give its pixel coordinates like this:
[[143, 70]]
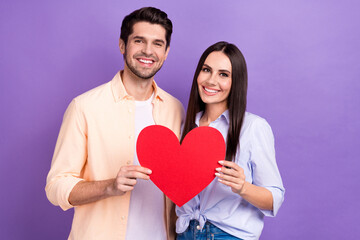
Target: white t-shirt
[[146, 212]]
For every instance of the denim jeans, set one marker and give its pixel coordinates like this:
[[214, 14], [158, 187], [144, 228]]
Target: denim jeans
[[209, 232]]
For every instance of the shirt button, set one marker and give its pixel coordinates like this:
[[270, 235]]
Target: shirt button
[[128, 162], [198, 227], [131, 137], [130, 110], [122, 217]]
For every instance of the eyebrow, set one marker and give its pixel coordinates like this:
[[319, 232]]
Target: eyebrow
[[220, 70]]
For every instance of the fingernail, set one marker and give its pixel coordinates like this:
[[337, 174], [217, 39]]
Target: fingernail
[[149, 171], [221, 162], [217, 174], [218, 169]]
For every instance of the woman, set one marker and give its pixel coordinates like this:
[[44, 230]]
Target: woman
[[248, 186]]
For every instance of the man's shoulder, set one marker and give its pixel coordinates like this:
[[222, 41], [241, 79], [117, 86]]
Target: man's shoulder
[[95, 94], [170, 112], [94, 99], [169, 99]]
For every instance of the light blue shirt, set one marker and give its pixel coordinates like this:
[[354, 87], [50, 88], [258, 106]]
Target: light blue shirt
[[225, 209]]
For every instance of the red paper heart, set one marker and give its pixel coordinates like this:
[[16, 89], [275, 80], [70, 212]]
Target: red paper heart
[[180, 171]]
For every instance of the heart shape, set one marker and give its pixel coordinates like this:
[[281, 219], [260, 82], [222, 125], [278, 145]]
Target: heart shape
[[180, 171]]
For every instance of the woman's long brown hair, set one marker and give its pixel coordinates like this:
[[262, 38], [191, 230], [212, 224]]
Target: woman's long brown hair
[[236, 100]]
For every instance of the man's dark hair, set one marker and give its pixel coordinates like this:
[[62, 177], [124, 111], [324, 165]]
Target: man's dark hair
[[146, 14]]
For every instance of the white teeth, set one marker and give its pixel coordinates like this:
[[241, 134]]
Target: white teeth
[[145, 61], [210, 91]]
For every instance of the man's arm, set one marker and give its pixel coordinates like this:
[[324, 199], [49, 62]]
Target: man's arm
[[69, 158], [91, 191]]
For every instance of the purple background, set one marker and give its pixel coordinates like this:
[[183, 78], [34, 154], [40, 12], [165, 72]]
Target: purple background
[[303, 61]]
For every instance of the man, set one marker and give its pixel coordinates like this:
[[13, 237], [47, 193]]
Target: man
[[95, 168]]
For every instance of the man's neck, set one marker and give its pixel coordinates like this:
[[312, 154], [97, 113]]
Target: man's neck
[[139, 88]]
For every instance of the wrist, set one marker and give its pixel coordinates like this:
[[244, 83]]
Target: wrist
[[110, 189], [243, 189]]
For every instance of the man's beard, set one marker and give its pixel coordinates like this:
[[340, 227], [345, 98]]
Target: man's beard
[[138, 73]]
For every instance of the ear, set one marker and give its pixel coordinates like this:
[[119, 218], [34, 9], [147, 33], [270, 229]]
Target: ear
[[122, 46], [167, 52]]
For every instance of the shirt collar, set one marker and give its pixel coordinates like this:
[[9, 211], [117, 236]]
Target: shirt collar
[[119, 91], [224, 115]]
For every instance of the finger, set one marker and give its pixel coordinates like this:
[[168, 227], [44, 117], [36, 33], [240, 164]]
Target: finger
[[230, 184], [126, 181], [125, 188], [229, 164], [228, 171], [234, 187], [134, 171], [124, 185], [136, 168], [136, 175], [235, 180]]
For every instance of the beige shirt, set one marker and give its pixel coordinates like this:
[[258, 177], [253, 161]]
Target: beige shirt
[[97, 138]]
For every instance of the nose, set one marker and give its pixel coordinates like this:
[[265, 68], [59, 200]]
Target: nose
[[212, 79], [147, 49]]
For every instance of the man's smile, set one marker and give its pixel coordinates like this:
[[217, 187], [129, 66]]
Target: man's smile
[[146, 61]]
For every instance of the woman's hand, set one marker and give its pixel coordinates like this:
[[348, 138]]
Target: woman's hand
[[231, 175]]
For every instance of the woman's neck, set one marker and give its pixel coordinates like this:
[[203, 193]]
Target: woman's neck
[[211, 113]]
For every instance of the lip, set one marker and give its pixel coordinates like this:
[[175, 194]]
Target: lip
[[146, 61], [210, 91]]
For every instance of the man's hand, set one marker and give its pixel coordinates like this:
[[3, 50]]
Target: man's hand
[[91, 191], [127, 178]]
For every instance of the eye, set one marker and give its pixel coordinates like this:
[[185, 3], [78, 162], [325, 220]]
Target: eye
[[158, 44], [138, 41], [224, 75], [205, 69]]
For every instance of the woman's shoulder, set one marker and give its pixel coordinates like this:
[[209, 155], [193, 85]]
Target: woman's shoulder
[[253, 121], [255, 125]]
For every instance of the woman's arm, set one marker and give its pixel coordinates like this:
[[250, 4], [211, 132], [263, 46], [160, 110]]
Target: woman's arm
[[233, 176]]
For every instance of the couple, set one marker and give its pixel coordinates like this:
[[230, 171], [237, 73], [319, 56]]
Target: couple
[[95, 168]]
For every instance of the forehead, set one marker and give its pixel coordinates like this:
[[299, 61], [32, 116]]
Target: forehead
[[218, 60], [149, 31]]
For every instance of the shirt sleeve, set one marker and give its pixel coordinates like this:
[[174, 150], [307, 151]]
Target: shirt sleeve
[[264, 168], [69, 158]]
